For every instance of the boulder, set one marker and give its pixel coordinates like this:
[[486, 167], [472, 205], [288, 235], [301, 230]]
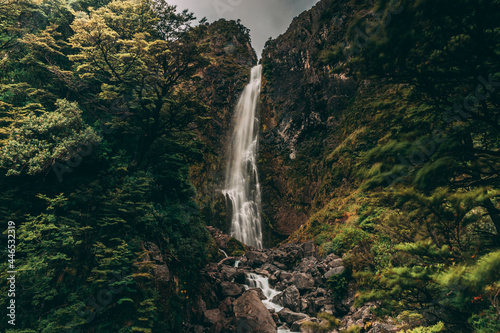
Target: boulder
[[228, 272], [308, 265], [290, 298], [251, 314], [240, 276], [302, 281], [297, 325], [383, 328], [289, 317], [262, 272], [230, 289], [284, 275], [334, 271], [270, 268], [309, 248], [226, 305], [256, 258], [215, 320]]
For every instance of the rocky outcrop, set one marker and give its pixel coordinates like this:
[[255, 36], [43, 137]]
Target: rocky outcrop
[[302, 103]]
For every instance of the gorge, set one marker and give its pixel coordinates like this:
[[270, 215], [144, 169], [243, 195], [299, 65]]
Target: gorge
[[164, 178]]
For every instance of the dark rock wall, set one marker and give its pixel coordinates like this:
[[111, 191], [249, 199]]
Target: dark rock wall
[[301, 104]]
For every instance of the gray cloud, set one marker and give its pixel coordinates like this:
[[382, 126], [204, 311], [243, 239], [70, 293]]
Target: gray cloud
[[264, 18]]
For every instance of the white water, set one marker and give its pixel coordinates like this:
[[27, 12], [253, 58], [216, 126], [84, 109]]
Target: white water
[[242, 179], [257, 281]]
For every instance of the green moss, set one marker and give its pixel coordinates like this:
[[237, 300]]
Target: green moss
[[212, 250], [235, 248], [327, 325], [338, 284]]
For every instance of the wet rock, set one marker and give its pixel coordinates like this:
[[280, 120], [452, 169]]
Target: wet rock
[[240, 276], [260, 293], [251, 314], [284, 327]]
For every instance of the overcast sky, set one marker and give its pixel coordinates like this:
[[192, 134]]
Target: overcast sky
[[265, 18]]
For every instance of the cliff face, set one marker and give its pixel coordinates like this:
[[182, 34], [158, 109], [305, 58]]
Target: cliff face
[[302, 103], [231, 58]]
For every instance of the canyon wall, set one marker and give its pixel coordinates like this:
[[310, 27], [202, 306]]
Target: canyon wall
[[302, 105]]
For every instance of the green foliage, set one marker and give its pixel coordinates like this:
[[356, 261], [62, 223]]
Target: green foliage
[[486, 321], [346, 240], [439, 327], [41, 140], [85, 245], [329, 322], [338, 284], [352, 329]]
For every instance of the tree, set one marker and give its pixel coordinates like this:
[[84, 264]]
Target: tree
[[445, 56], [41, 140], [142, 50]]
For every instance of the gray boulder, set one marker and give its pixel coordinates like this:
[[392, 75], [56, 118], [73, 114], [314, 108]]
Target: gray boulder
[[334, 271], [290, 298], [251, 314], [256, 258], [230, 289], [302, 281], [289, 317]]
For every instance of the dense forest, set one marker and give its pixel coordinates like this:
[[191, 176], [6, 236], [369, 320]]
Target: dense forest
[[379, 147]]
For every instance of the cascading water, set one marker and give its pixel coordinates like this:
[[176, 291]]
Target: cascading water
[[242, 179], [258, 281]]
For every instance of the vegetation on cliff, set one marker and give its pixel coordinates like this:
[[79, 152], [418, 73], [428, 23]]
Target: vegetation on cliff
[[405, 184]]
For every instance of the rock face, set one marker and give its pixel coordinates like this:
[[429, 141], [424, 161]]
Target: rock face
[[251, 314], [302, 103]]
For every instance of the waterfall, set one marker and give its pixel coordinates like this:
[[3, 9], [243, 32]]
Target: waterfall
[[258, 281], [242, 179]]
